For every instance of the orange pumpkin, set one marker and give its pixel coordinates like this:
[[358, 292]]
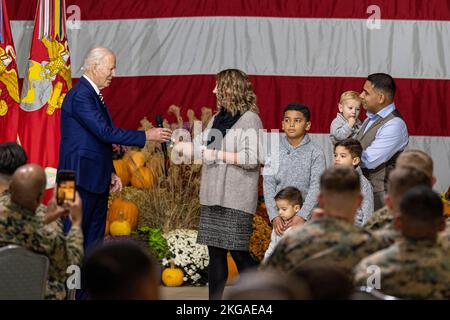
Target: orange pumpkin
[[129, 209], [447, 209], [232, 269], [173, 277], [135, 160], [446, 202], [122, 172], [142, 178]]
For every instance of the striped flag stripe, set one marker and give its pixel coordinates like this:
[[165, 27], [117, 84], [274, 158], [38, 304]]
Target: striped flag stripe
[[262, 46], [119, 9], [308, 51]]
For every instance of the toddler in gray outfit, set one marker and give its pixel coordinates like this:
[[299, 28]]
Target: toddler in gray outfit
[[347, 123]]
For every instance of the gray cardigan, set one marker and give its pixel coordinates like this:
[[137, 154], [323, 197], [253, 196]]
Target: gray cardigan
[[366, 210], [234, 186], [299, 167]]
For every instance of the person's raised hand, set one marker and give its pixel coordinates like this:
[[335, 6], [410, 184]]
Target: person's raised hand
[[76, 210], [54, 211], [351, 121]]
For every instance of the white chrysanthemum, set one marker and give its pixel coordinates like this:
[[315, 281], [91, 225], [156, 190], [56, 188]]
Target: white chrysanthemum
[[187, 253]]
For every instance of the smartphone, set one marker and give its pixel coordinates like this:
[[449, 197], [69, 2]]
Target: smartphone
[[65, 186]]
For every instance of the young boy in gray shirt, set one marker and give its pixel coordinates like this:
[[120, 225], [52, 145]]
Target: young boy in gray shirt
[[298, 163], [348, 153]]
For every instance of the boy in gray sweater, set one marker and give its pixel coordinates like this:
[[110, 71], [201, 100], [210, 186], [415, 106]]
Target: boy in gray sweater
[[298, 163], [348, 153]]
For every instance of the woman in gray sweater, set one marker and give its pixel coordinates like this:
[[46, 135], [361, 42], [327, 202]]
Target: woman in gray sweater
[[229, 180]]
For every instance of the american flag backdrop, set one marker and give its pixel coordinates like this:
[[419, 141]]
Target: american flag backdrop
[[308, 51]]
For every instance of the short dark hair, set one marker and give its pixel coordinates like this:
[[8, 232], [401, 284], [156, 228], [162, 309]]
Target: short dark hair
[[116, 270], [384, 82], [325, 281], [352, 145], [291, 194], [422, 204], [295, 106], [340, 179], [268, 285], [402, 179], [12, 156]]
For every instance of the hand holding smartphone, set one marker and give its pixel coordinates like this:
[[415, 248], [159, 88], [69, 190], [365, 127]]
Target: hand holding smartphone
[[65, 186]]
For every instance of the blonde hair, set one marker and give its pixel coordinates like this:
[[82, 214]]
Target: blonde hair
[[349, 95], [235, 92]]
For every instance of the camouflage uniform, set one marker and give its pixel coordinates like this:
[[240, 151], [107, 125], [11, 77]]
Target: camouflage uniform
[[326, 239], [410, 269], [386, 230], [382, 225], [41, 212], [22, 227], [55, 226], [388, 234], [379, 219]]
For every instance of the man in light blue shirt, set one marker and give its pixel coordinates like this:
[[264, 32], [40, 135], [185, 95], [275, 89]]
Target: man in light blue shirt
[[383, 134]]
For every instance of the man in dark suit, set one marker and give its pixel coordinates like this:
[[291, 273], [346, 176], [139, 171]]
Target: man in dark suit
[[87, 133]]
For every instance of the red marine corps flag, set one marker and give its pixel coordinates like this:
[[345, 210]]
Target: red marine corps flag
[[9, 84], [45, 86]]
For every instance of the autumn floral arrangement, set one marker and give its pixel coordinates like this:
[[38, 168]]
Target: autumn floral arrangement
[[260, 240], [188, 255], [160, 203]]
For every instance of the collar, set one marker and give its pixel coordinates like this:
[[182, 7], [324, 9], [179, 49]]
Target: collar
[[337, 223], [306, 140], [97, 90], [25, 213], [383, 113]]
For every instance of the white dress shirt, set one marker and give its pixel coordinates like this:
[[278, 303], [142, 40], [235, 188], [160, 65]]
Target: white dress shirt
[[97, 90]]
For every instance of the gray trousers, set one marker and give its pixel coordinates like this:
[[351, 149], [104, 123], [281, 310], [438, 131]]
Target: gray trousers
[[378, 200]]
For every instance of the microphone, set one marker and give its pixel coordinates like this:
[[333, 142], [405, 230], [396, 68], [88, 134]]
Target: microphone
[[159, 124]]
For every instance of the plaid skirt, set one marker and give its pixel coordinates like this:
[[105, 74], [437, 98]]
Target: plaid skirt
[[225, 228]]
